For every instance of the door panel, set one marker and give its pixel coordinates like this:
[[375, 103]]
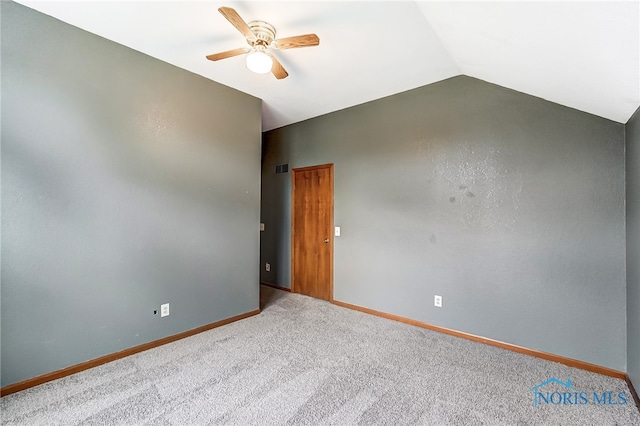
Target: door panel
[[312, 236]]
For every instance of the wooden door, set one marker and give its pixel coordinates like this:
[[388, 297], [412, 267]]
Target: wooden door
[[312, 231]]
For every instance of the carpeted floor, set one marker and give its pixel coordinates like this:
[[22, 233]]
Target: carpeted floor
[[303, 361]]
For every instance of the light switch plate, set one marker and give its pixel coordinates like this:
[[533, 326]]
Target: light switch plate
[[337, 234], [262, 226]]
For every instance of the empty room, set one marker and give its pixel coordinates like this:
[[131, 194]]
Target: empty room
[[320, 213]]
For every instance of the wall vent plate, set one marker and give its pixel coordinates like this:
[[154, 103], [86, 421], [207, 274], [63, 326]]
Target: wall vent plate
[[282, 168]]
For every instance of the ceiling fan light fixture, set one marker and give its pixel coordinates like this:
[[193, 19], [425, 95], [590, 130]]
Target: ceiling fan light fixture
[[259, 62], [261, 36]]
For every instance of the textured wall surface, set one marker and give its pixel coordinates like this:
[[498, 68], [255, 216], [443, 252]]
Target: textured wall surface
[[509, 206], [633, 248], [126, 183]]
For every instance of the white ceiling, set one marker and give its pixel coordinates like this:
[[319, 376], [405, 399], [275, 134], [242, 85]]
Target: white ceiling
[[585, 55]]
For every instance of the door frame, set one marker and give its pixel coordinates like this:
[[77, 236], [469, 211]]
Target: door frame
[[331, 231]]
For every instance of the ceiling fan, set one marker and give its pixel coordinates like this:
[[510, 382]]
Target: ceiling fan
[[261, 36]]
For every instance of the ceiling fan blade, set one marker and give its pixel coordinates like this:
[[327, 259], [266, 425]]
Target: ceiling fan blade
[[227, 54], [277, 69], [298, 41], [235, 19]]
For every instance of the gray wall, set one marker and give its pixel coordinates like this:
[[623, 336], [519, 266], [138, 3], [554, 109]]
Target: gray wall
[[633, 248], [126, 183], [509, 206]]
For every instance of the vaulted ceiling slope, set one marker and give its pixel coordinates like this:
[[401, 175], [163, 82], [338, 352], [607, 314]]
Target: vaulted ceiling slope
[[585, 55]]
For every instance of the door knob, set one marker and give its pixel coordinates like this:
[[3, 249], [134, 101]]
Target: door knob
[[326, 240]]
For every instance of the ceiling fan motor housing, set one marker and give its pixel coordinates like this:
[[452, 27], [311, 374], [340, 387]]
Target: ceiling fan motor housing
[[265, 33]]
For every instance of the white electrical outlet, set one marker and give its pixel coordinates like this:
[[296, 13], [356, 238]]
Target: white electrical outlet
[[164, 310], [437, 301], [267, 267]]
